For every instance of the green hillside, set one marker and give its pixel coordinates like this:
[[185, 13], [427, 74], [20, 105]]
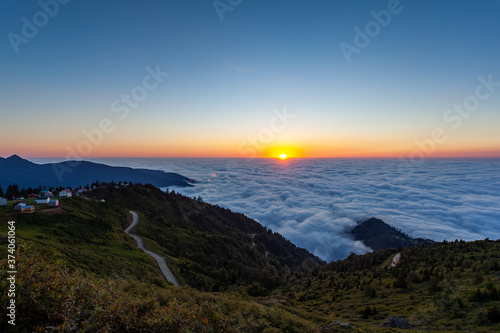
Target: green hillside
[[209, 247], [88, 235], [445, 287], [52, 299], [78, 271]]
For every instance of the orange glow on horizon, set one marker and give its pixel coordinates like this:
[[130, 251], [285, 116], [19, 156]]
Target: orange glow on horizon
[[216, 149], [283, 152]]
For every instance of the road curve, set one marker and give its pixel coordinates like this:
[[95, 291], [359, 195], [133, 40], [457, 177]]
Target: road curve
[[167, 273], [395, 260]]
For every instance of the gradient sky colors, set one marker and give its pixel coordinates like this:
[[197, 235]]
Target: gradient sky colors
[[227, 79]]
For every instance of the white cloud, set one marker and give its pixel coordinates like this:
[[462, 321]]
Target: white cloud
[[313, 202]]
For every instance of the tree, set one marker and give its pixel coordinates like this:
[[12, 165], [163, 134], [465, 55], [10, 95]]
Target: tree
[[12, 192], [256, 290], [493, 314], [367, 312], [1, 192], [434, 285], [8, 192], [400, 283]]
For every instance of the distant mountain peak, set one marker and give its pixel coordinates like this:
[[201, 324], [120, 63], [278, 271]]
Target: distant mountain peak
[[15, 157], [15, 160]]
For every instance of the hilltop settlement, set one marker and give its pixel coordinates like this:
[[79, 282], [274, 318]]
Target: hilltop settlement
[[29, 200]]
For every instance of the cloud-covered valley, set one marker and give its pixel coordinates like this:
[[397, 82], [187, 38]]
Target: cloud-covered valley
[[314, 202]]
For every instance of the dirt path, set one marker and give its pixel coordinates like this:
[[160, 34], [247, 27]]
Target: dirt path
[[395, 260], [165, 271]]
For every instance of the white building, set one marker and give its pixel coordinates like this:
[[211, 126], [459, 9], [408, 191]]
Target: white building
[[3, 202], [23, 208], [53, 203], [65, 194], [42, 200], [19, 206]]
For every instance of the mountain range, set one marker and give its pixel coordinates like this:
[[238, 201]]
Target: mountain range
[[15, 170]]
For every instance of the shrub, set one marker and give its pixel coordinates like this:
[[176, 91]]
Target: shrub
[[493, 314]]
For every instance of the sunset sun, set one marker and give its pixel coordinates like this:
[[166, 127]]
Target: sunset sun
[[283, 156]]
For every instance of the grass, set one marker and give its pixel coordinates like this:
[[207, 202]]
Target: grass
[[51, 298], [89, 236], [79, 271], [366, 297]]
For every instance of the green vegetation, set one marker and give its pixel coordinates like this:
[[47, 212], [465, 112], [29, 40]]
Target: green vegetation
[[209, 247], [445, 287], [89, 235], [50, 298], [78, 271]]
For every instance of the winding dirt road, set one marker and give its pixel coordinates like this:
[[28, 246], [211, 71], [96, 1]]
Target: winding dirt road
[[167, 273]]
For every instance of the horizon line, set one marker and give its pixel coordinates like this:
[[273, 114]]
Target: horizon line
[[261, 157]]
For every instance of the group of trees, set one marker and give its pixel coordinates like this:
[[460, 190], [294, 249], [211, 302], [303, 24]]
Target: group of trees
[[13, 192]]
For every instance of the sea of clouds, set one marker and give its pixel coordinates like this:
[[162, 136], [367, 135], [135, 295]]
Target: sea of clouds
[[315, 202]]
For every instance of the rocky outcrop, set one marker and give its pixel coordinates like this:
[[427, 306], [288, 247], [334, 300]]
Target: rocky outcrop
[[396, 322], [333, 326]]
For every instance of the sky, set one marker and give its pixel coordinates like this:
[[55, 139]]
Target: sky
[[239, 78]]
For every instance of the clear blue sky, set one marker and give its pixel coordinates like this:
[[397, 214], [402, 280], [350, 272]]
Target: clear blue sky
[[227, 76]]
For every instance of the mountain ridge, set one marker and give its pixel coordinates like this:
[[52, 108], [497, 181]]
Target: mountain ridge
[[18, 171]]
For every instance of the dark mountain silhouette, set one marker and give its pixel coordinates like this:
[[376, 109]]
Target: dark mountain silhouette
[[15, 170], [378, 235]]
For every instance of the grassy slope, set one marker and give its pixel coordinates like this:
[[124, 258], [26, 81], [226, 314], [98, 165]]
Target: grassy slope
[[209, 247], [435, 288], [89, 235], [48, 295], [439, 291]]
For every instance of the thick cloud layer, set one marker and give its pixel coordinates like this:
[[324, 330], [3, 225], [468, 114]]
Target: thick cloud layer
[[313, 202]]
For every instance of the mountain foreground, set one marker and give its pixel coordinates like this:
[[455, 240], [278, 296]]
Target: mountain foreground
[[78, 271]]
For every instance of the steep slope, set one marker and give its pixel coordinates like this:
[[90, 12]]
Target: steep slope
[[51, 298], [17, 171], [449, 286], [210, 247]]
